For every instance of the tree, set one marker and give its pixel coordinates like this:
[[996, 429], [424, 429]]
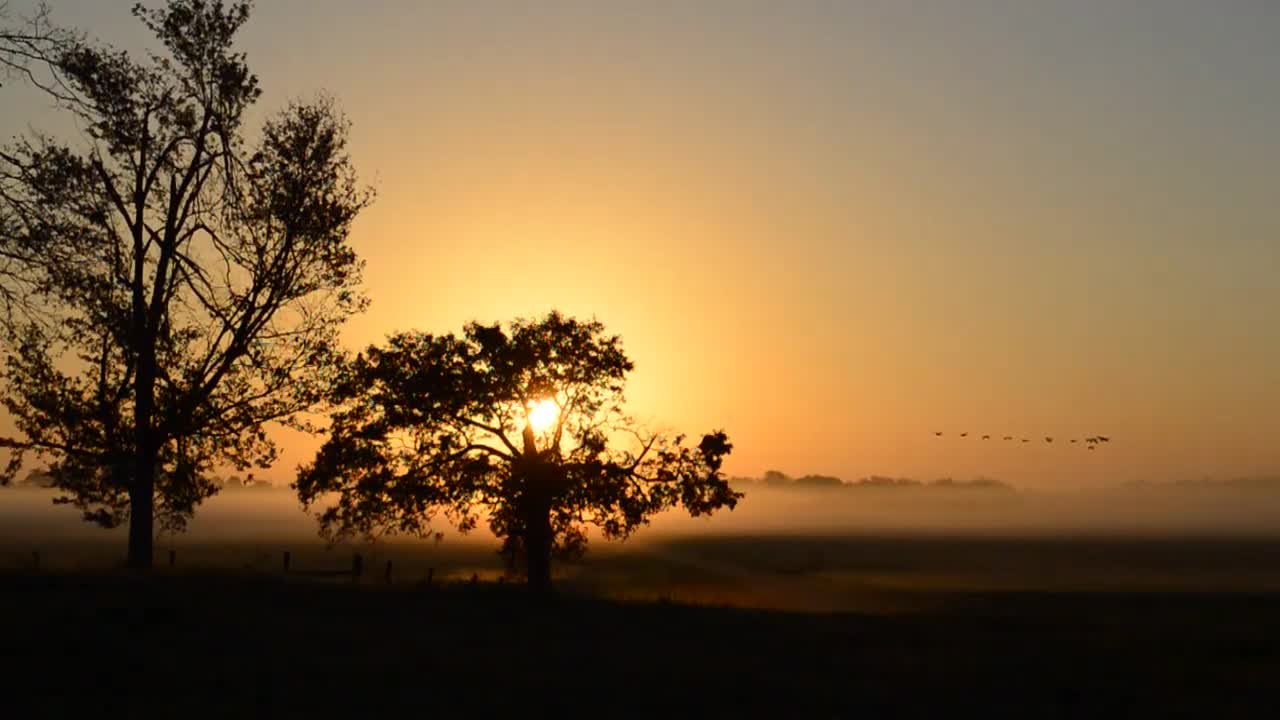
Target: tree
[[27, 42], [523, 424], [183, 286], [27, 46], [37, 479], [819, 481], [776, 478]]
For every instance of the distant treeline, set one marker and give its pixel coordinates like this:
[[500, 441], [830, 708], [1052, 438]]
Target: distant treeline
[[777, 478], [1265, 482]]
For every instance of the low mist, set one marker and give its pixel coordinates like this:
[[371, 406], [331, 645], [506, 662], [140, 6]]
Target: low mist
[[1178, 509], [1174, 509]]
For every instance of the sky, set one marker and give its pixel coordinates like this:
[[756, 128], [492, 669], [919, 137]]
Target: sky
[[831, 228]]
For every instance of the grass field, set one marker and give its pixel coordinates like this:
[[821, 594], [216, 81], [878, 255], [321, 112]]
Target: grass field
[[674, 622], [717, 626], [219, 645]]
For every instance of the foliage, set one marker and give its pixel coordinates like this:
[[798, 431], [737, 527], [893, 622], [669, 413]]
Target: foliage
[[432, 425], [181, 285]]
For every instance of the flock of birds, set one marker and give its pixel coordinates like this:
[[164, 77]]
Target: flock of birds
[[1090, 442]]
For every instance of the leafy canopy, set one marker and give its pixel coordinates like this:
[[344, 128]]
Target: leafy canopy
[[439, 424]]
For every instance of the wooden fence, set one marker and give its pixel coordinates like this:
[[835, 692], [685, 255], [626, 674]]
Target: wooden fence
[[355, 571]]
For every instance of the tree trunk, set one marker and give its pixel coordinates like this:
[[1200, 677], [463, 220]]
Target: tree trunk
[[537, 529], [537, 549], [142, 515], [142, 485]]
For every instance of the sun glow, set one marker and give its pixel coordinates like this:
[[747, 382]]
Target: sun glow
[[543, 414]]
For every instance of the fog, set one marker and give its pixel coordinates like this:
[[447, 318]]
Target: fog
[[1156, 510], [28, 515]]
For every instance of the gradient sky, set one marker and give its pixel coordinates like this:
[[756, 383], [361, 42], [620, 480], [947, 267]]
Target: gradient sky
[[831, 227]]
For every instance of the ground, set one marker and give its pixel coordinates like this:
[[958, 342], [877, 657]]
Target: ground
[[236, 642]]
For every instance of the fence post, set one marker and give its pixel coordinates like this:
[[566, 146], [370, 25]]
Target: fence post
[[386, 574], [173, 557], [286, 561], [431, 572], [357, 567], [35, 559]]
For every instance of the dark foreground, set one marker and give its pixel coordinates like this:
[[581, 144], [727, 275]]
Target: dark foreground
[[209, 645]]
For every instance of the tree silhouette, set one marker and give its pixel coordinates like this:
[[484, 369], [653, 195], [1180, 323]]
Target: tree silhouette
[[776, 477], [28, 46], [182, 285], [430, 425], [28, 43], [819, 481]]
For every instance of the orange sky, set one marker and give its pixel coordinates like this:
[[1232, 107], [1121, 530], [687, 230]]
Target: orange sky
[[833, 228]]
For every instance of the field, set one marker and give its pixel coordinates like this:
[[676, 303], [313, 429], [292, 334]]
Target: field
[[683, 620], [747, 626]]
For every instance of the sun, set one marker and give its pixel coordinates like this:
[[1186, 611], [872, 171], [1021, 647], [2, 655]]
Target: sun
[[543, 414]]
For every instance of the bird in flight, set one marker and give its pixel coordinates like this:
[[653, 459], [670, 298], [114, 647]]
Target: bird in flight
[[1091, 441]]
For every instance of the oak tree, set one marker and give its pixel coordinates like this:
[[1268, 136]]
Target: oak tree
[[520, 425]]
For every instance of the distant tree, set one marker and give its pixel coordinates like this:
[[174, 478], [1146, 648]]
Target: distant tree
[[522, 424], [986, 483], [819, 481], [775, 477], [882, 481], [37, 479], [183, 286], [978, 483]]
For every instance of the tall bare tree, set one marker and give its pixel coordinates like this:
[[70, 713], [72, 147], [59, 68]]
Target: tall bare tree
[[181, 286]]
